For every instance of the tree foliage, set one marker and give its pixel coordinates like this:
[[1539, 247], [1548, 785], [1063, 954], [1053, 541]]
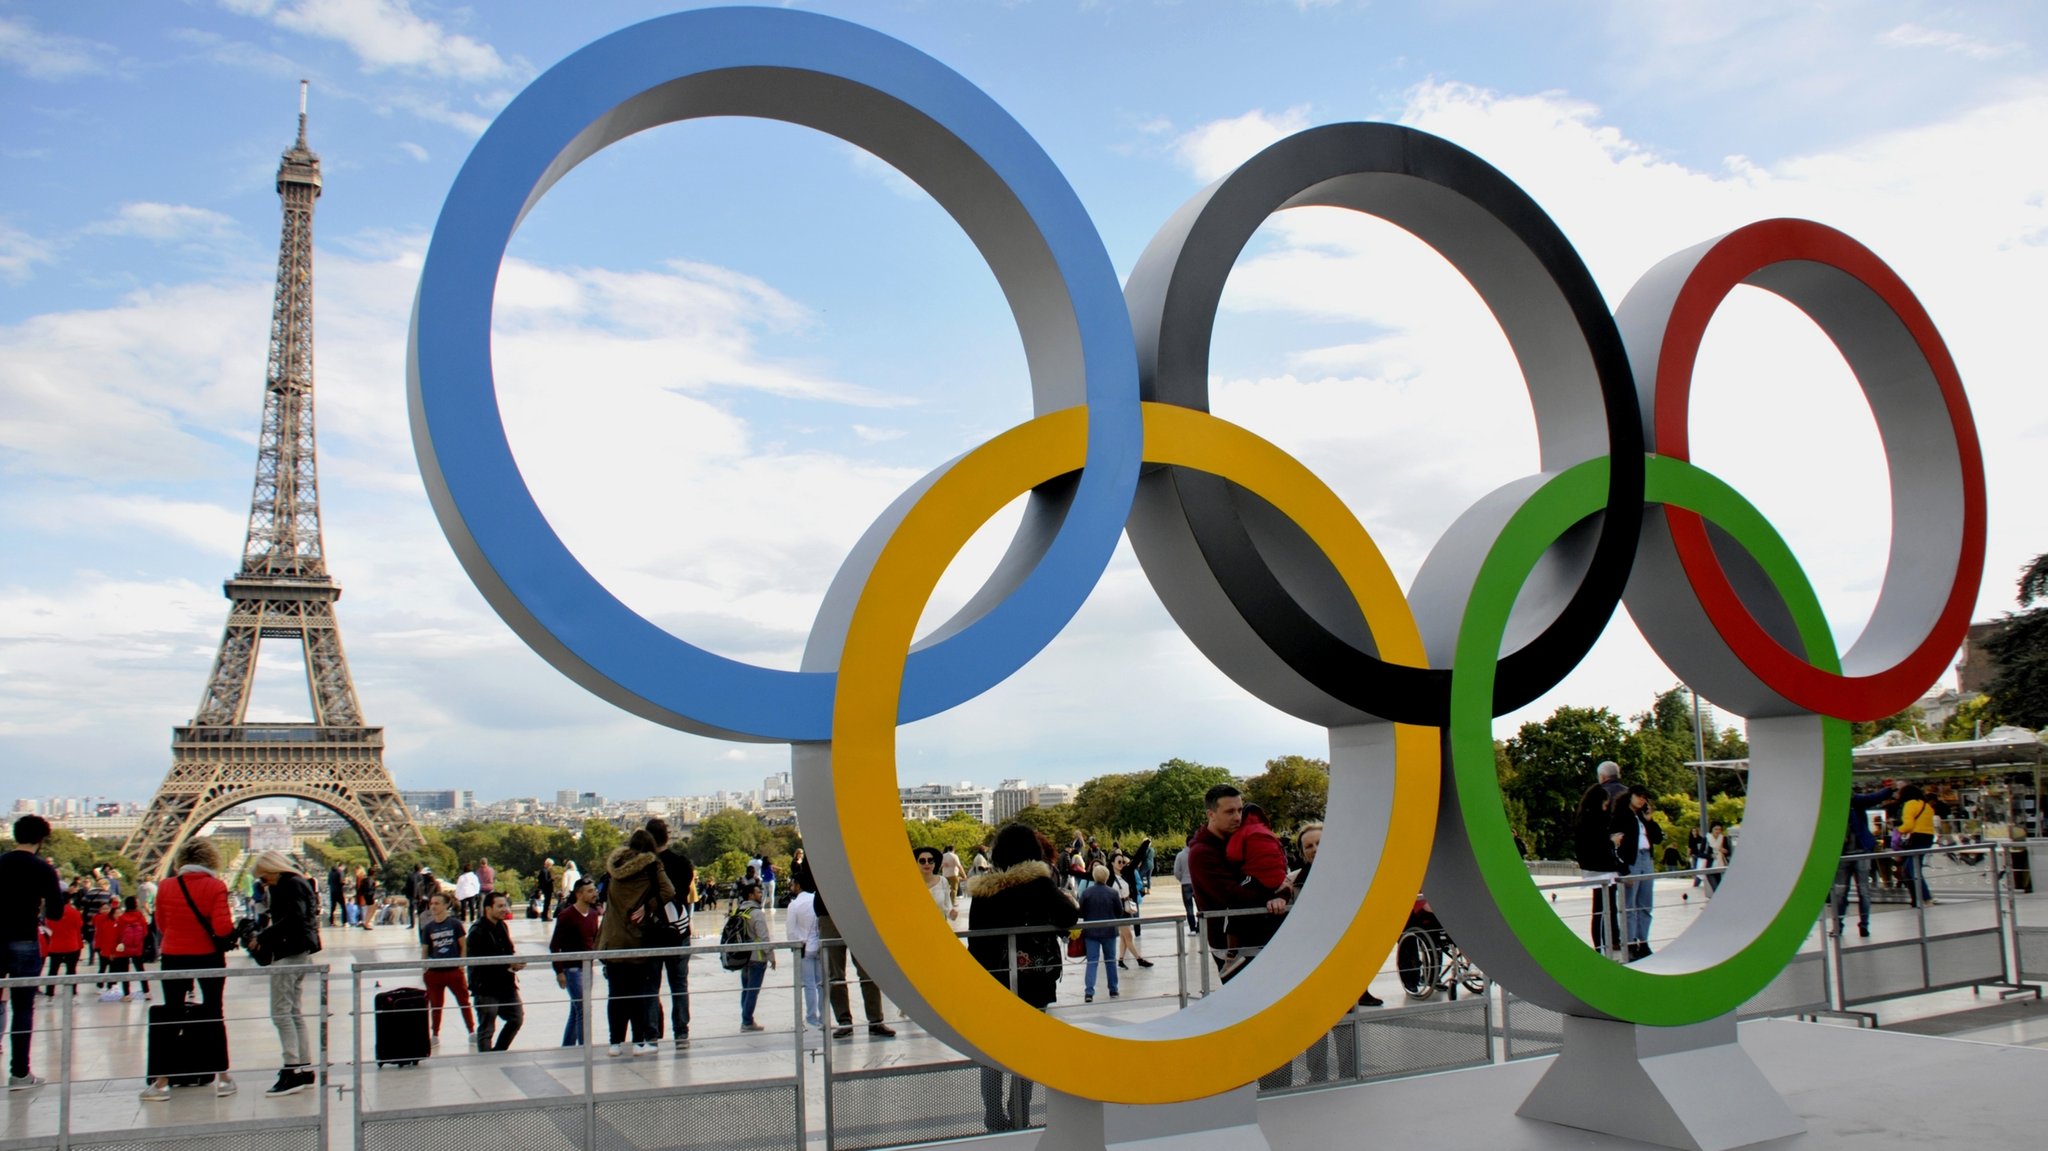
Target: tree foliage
[[1101, 803], [1170, 799], [1293, 789], [2019, 692], [1056, 823], [1549, 765]]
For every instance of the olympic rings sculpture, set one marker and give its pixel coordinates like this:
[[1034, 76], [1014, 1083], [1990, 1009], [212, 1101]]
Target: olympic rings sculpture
[[1255, 558]]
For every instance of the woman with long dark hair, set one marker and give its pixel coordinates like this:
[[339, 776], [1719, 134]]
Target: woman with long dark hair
[[1020, 894]]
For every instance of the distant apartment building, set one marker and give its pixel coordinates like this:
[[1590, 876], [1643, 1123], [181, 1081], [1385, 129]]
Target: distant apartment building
[[945, 800], [447, 801]]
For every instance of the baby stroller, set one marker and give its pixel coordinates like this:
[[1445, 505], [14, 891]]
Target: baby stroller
[[1428, 959]]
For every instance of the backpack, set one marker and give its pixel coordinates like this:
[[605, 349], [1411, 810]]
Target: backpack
[[737, 929], [133, 938]]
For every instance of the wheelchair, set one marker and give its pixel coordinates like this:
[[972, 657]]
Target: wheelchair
[[1429, 960]]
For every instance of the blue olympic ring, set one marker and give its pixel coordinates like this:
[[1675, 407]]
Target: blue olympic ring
[[942, 132]]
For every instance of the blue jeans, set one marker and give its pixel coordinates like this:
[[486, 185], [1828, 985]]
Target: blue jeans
[[24, 960], [1639, 896], [812, 968], [572, 1035], [751, 977], [1098, 950], [678, 969]]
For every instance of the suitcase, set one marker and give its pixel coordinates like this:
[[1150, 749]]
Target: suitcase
[[400, 1019], [187, 1044]]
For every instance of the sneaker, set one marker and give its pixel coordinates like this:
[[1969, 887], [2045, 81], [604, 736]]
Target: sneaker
[[1112, 995], [156, 1092], [842, 1032], [1144, 962], [110, 997], [1863, 929], [881, 1031], [752, 1027], [290, 1081], [24, 1082], [646, 1048], [615, 1050], [1088, 998], [476, 1041], [224, 1087], [136, 997], [682, 1043], [434, 1040]]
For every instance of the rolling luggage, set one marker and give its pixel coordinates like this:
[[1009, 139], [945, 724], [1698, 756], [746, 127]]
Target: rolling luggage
[[400, 1019], [187, 1044]]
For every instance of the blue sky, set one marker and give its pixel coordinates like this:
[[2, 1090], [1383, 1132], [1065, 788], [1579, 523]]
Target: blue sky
[[725, 346]]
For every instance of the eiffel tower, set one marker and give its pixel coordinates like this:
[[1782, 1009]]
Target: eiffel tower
[[282, 592]]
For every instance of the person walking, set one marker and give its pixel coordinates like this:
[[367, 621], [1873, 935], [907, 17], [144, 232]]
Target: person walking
[[576, 929], [1186, 880], [1916, 820], [545, 881], [951, 871], [495, 985], [63, 943], [636, 887], [486, 879], [442, 937], [106, 939], [928, 864], [801, 926], [672, 929], [29, 893], [131, 949], [835, 980], [287, 944], [337, 894], [1028, 915], [467, 887], [1857, 841], [1099, 904], [758, 960], [196, 920], [1126, 881]]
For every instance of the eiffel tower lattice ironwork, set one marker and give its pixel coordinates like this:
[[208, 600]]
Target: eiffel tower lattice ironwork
[[282, 592]]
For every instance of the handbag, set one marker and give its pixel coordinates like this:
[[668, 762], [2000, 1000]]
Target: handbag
[[1075, 948], [221, 943]]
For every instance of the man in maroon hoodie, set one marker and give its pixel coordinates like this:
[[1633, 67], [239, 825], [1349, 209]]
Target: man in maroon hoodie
[[1221, 885]]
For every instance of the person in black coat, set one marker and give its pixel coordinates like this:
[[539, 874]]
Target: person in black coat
[[1019, 893], [1636, 837], [1593, 845], [286, 944]]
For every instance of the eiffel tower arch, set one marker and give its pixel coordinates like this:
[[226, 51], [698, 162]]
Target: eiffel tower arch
[[282, 592]]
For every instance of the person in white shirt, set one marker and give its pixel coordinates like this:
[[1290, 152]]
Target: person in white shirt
[[949, 866], [469, 889], [801, 923]]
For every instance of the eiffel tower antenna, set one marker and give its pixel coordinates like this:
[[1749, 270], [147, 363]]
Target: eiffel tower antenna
[[282, 592]]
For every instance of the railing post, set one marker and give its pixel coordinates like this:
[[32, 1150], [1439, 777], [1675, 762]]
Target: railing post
[[796, 987], [584, 1012], [1920, 908], [356, 980], [1203, 945], [67, 1007], [825, 1044], [324, 1078], [1180, 956]]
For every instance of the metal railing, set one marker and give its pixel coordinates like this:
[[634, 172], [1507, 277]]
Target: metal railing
[[794, 1085]]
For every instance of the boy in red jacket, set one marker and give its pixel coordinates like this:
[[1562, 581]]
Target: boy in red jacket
[[63, 940], [106, 935]]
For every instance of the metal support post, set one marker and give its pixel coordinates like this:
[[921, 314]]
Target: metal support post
[[589, 1060], [796, 987], [67, 1009], [1180, 957], [1207, 962], [356, 980], [325, 1072]]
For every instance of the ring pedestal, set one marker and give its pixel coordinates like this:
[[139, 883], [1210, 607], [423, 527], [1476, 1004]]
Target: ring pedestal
[[1688, 1087], [1226, 1122]]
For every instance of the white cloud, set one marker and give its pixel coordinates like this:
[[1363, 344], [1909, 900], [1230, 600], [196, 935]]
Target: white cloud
[[1213, 149], [19, 253], [385, 35], [46, 56], [1970, 47], [164, 222], [413, 150]]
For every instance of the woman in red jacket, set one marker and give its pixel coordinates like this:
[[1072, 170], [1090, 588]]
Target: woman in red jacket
[[106, 932], [191, 912]]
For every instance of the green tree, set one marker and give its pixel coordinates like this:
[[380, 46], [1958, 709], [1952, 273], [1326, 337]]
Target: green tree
[[1909, 721], [1100, 803], [1551, 764], [599, 839], [1056, 823], [959, 832], [2019, 649], [1293, 789], [728, 867], [1170, 799], [1971, 719], [724, 831]]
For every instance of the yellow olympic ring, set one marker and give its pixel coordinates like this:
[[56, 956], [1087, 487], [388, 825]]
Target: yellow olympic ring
[[1226, 1039]]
